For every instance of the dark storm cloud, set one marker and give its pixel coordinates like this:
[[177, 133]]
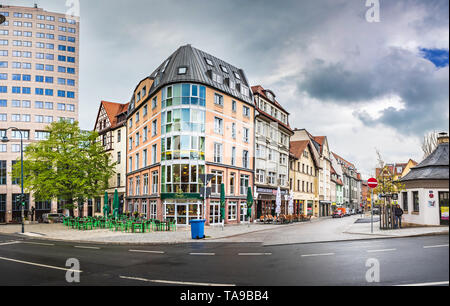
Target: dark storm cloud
[[422, 88], [336, 84]]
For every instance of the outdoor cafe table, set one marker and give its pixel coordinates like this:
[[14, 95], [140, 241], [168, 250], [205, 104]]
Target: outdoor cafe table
[[141, 223]]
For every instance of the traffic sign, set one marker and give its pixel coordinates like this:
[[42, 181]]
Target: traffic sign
[[372, 183]]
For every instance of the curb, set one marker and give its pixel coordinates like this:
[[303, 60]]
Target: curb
[[359, 239]]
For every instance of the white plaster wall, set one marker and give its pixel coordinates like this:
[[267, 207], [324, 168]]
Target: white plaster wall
[[427, 215]]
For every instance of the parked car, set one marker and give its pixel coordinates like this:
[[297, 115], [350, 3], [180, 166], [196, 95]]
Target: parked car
[[376, 211], [337, 214], [55, 218]]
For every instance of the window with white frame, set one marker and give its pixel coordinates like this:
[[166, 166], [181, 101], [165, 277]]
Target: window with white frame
[[246, 111], [145, 185], [246, 134], [218, 152], [218, 99], [245, 179], [144, 209], [245, 159], [153, 212], [260, 176], [271, 178], [232, 211], [218, 125], [154, 154], [233, 156], [155, 182]]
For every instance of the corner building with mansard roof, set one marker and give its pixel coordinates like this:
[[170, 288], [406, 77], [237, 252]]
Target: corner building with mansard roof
[[193, 115]]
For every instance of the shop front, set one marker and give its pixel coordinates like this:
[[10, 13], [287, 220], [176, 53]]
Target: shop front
[[266, 201], [299, 207], [324, 208], [183, 207], [310, 208]]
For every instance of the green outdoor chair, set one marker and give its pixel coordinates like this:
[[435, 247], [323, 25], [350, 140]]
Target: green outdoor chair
[[139, 226], [171, 225]]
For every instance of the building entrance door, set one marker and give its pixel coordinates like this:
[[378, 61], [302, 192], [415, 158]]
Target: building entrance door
[[443, 207]]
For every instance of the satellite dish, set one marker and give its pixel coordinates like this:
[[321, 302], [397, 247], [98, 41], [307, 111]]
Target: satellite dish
[[2, 19]]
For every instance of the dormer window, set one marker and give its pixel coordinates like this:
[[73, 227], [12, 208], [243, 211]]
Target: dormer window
[[156, 82], [224, 69], [209, 62], [244, 90], [217, 78], [231, 83], [236, 75], [182, 70], [269, 95], [165, 65]]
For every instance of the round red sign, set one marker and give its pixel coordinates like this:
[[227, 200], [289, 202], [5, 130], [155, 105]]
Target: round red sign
[[372, 183]]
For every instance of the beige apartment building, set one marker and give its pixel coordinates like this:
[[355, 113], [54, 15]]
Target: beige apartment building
[[39, 61], [303, 177], [320, 145]]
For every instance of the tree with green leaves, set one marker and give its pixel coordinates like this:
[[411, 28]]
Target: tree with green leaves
[[387, 184], [70, 165]]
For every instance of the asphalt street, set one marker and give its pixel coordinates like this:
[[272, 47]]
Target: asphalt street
[[401, 261]]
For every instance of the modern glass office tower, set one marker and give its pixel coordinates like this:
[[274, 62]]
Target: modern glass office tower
[[39, 60], [193, 115]]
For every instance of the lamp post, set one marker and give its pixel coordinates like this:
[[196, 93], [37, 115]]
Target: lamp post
[[22, 196]]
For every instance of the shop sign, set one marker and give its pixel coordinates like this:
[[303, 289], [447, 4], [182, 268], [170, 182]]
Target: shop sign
[[270, 191], [196, 196]]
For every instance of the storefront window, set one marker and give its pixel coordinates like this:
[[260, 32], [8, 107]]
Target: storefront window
[[214, 212], [232, 211], [182, 211], [310, 208]]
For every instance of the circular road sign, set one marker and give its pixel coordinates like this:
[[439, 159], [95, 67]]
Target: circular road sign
[[372, 183]]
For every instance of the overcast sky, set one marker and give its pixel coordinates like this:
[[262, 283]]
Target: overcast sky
[[364, 85]]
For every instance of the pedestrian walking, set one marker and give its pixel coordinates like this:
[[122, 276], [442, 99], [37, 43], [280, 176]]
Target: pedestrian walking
[[398, 216]]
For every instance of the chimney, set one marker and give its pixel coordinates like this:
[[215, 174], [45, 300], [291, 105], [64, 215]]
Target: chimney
[[442, 138]]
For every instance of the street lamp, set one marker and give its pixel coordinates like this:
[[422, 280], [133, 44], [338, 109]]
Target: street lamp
[[22, 196]]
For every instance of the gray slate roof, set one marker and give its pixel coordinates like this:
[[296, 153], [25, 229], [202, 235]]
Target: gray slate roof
[[434, 167], [198, 71]]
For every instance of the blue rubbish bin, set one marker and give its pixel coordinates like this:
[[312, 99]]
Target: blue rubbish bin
[[197, 229]]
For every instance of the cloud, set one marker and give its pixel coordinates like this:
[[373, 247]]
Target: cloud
[[364, 85]]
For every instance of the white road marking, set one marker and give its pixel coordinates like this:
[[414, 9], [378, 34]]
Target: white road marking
[[86, 247], [255, 254], [10, 242], [435, 246], [145, 251], [323, 254], [426, 284], [175, 282], [384, 250], [39, 265], [38, 243], [203, 254]]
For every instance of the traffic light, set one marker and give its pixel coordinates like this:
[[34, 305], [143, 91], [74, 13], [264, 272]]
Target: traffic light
[[21, 198]]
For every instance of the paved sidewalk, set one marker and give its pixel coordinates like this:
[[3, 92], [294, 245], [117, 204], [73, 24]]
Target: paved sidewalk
[[366, 229], [181, 235]]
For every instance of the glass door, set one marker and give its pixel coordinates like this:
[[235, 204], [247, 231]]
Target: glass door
[[181, 214], [195, 211], [214, 213], [243, 212], [443, 207]]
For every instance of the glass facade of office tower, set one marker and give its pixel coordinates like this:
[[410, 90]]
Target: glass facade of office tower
[[39, 60]]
